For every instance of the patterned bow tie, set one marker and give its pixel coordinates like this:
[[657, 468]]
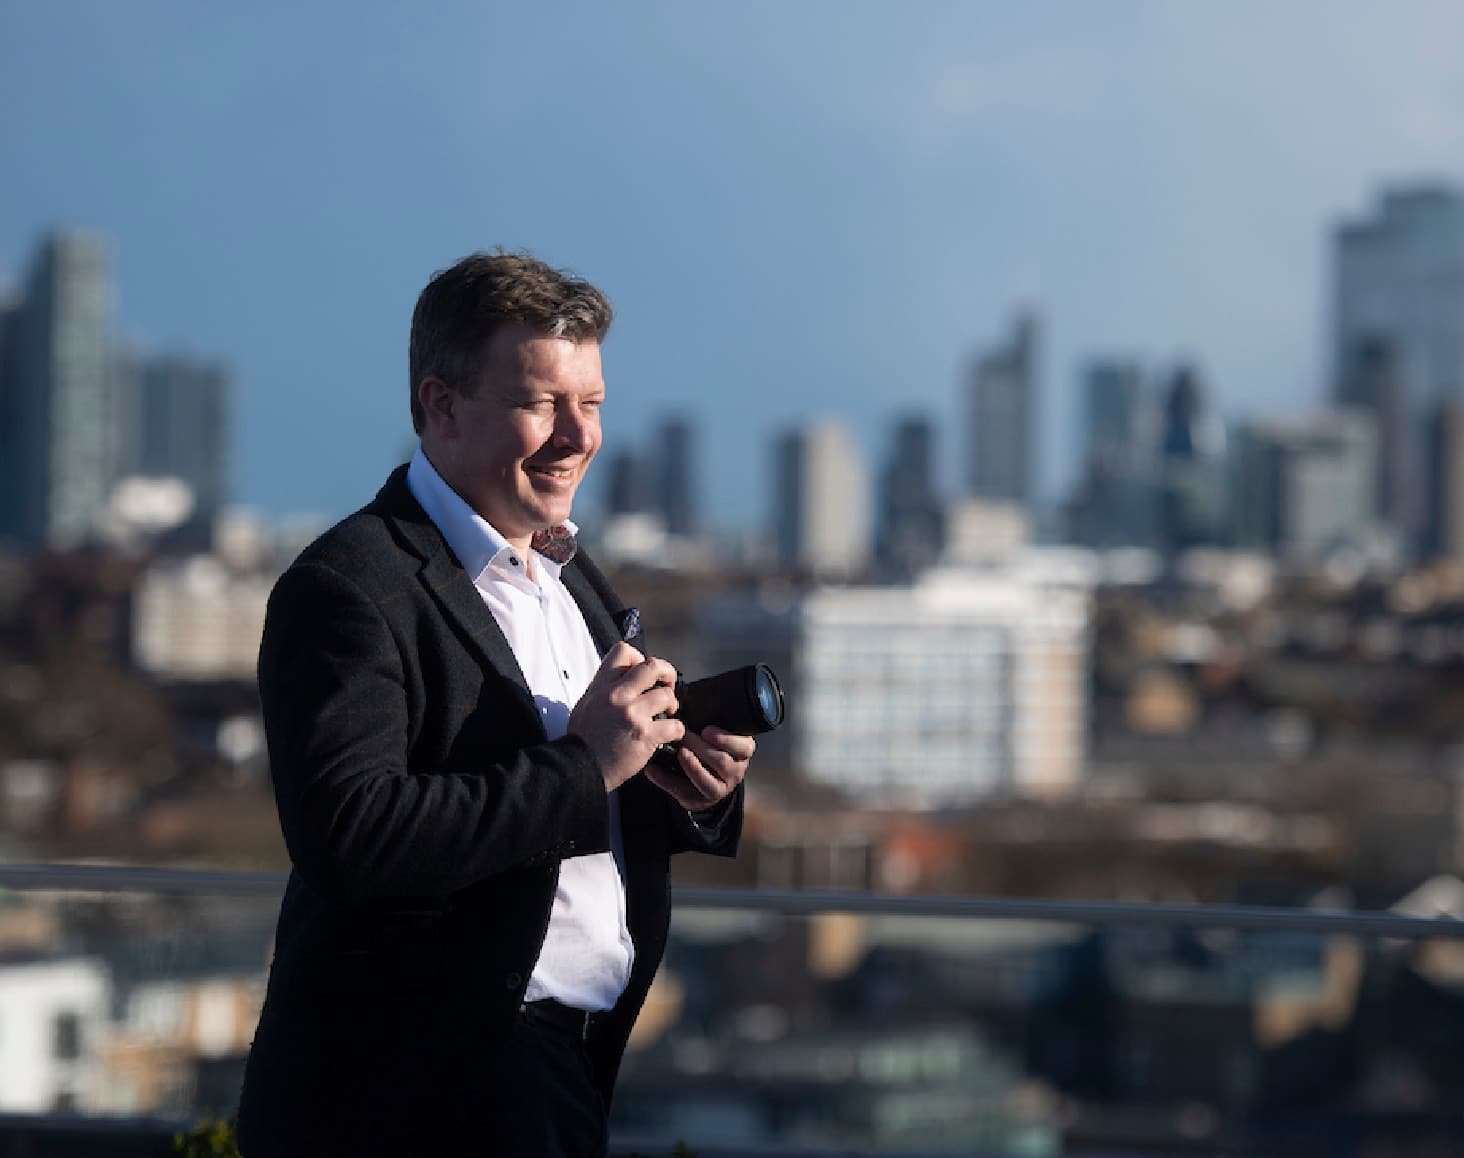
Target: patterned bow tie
[[556, 544]]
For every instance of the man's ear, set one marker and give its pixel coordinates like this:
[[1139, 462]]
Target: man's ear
[[439, 405]]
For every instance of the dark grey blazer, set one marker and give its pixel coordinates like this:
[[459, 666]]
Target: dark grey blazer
[[425, 815]]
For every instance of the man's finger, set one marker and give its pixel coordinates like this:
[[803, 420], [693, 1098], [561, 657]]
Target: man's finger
[[646, 675], [725, 770], [666, 732], [737, 746], [620, 657], [693, 787]]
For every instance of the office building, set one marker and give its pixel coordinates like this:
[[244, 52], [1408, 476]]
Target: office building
[[629, 485], [184, 431], [1399, 279], [1306, 487], [1373, 384], [675, 483], [62, 412], [965, 686], [54, 1011], [821, 513], [1117, 502], [1002, 414], [1444, 528], [10, 476], [197, 620], [1191, 469], [909, 535]]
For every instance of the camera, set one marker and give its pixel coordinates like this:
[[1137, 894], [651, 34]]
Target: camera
[[747, 701]]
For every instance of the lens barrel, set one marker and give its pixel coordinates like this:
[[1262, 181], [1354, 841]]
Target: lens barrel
[[747, 701]]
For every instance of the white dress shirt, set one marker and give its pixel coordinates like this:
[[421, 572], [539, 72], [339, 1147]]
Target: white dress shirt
[[586, 957]]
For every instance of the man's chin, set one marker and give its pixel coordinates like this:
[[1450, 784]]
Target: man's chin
[[550, 514]]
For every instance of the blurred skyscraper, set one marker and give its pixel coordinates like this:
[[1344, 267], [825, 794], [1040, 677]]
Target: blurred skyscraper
[[79, 413], [1192, 482], [1117, 500], [1444, 529], [1002, 408], [674, 456], [59, 435], [184, 431], [1304, 488], [631, 491], [821, 503], [1400, 279], [1398, 332], [659, 482], [909, 534], [1373, 383], [1117, 417], [9, 401]]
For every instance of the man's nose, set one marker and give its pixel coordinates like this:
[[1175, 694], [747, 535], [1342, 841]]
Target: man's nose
[[571, 429]]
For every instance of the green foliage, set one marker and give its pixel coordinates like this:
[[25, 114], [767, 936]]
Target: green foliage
[[213, 1139]]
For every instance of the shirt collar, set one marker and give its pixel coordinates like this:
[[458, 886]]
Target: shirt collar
[[475, 541]]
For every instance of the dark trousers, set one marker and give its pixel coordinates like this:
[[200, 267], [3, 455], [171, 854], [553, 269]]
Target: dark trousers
[[539, 1100], [531, 1096]]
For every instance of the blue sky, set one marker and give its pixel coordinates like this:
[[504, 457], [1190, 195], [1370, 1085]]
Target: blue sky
[[799, 209]]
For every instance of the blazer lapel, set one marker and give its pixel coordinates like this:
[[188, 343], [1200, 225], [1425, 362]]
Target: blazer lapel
[[592, 607], [449, 584], [642, 804]]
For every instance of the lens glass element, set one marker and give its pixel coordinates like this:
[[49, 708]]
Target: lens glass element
[[768, 699]]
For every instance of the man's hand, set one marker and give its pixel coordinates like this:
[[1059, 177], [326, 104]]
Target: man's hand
[[617, 714], [713, 765]]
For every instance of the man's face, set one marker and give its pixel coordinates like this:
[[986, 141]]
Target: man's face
[[517, 448]]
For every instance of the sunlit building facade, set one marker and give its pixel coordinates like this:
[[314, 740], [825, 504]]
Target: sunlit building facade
[[965, 686], [821, 515]]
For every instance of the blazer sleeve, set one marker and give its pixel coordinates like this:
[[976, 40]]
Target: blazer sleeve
[[716, 830], [362, 826]]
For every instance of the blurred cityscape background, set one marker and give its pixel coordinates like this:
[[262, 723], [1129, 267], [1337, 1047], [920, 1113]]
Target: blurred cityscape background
[[1062, 622]]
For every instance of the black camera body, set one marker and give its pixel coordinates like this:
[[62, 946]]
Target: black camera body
[[747, 701]]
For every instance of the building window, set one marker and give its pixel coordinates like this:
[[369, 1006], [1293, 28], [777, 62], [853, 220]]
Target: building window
[[67, 1042]]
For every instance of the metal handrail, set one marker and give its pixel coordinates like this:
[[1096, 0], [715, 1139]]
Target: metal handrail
[[97, 878]]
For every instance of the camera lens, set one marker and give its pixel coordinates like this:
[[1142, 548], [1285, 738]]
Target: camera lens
[[769, 696]]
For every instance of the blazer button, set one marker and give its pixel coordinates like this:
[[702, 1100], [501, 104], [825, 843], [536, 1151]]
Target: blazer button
[[513, 981]]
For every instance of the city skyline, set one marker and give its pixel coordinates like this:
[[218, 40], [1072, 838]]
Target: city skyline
[[799, 213]]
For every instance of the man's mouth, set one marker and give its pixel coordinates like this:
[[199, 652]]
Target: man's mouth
[[554, 472]]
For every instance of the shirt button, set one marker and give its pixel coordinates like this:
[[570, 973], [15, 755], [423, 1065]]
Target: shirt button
[[513, 981], [565, 674]]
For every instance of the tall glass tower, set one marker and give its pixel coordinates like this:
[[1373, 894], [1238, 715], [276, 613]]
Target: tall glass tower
[[1400, 281], [60, 421], [1003, 406]]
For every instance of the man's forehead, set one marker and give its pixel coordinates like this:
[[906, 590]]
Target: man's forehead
[[520, 346]]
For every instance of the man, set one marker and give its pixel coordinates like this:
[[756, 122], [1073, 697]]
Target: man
[[459, 737]]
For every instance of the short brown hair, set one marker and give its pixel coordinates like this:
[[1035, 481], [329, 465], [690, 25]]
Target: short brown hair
[[462, 306]]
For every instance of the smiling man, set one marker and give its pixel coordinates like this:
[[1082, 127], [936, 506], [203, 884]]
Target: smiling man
[[459, 738]]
